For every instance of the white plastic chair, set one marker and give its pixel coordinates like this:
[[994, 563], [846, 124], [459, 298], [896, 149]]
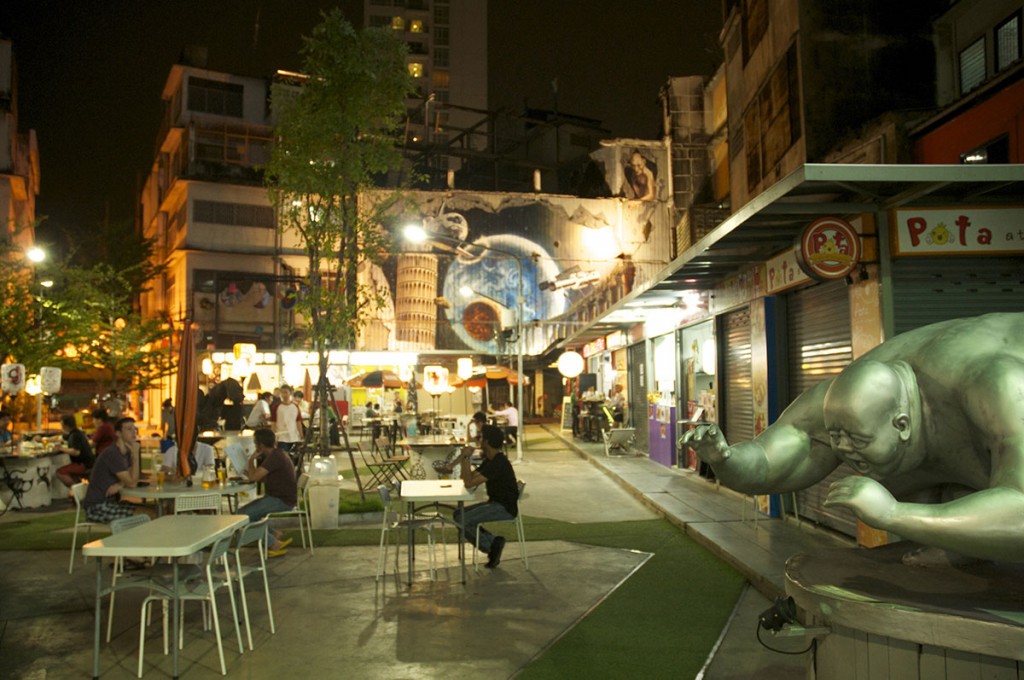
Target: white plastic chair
[[78, 493], [301, 511], [521, 535], [397, 524], [255, 533], [197, 502], [203, 588]]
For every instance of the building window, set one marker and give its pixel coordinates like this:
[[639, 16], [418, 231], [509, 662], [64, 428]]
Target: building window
[[398, 23], [1007, 42], [211, 96], [441, 56], [233, 214], [754, 25], [441, 35], [417, 48], [416, 26], [380, 21], [972, 66], [440, 79], [995, 151], [441, 13], [415, 69], [771, 124]]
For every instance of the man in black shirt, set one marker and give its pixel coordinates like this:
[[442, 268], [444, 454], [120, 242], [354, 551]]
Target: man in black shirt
[[497, 475], [76, 444]]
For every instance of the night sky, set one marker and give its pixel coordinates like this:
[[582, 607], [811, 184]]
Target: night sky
[[91, 72]]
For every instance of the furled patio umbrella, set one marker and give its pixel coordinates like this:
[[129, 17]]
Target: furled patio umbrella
[[376, 379], [186, 397]]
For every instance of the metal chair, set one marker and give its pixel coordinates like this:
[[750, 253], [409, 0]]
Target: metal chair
[[520, 534], [394, 522], [301, 511], [78, 493], [620, 438], [385, 451], [204, 589], [117, 526], [255, 533], [197, 502], [381, 471]]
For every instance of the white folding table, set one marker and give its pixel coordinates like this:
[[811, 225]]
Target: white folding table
[[436, 492], [172, 536]]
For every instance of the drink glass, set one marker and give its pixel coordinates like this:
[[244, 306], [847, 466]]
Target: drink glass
[[221, 476], [160, 478]]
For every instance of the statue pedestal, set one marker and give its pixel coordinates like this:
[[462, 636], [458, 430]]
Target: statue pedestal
[[889, 620]]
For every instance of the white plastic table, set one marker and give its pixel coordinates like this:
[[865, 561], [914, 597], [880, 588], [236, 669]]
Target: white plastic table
[[435, 492], [173, 536]]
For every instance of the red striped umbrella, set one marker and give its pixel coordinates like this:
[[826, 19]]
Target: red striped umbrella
[[186, 394]]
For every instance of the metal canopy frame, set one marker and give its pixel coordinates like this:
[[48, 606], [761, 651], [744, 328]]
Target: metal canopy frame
[[774, 219]]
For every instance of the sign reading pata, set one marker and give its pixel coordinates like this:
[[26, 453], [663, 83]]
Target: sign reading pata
[[829, 249], [960, 231]]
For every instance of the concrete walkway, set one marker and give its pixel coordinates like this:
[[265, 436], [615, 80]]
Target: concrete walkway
[[332, 614]]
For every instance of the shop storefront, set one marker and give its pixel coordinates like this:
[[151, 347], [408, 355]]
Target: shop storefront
[[661, 424], [697, 394]]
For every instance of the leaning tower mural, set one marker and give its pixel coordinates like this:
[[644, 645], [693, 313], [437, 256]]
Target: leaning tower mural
[[416, 301]]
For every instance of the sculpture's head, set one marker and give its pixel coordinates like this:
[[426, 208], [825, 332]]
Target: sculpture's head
[[867, 415]]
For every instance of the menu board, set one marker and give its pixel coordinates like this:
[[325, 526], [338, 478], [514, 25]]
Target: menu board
[[567, 413]]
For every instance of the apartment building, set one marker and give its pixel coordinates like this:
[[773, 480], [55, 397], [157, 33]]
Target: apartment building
[[19, 159]]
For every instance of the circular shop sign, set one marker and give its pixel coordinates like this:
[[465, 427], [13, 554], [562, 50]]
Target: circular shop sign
[[829, 249]]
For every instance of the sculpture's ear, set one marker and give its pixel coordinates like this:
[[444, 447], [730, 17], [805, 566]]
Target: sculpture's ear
[[902, 423]]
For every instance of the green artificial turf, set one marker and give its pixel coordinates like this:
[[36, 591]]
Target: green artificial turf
[[660, 623]]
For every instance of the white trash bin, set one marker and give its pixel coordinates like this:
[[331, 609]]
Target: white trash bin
[[323, 492]]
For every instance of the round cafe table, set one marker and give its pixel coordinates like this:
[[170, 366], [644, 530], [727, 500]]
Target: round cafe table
[[171, 490]]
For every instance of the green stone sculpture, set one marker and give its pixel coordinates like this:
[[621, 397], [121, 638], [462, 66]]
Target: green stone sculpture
[[931, 421]]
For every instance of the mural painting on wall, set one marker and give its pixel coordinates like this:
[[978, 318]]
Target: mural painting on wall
[[226, 298], [577, 256], [641, 177]]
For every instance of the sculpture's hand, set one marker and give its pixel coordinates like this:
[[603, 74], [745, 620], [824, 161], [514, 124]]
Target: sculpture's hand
[[871, 501], [709, 443]]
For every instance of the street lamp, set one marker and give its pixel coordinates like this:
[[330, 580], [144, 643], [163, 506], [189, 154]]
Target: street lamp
[[415, 233]]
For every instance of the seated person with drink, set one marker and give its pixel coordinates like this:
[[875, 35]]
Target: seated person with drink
[[502, 503]]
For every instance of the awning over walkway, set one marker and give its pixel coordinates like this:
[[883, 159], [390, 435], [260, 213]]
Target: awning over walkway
[[774, 219]]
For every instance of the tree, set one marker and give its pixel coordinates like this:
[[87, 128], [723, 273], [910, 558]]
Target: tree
[[336, 134], [105, 334]]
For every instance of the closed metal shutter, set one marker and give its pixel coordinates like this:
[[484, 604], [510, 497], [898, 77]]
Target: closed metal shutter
[[738, 424], [820, 346], [932, 289], [636, 362]]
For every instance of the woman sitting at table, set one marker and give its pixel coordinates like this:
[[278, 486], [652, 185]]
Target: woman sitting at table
[[272, 466], [499, 478], [76, 445]]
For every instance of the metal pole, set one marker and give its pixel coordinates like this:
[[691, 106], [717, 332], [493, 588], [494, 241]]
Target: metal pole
[[519, 351]]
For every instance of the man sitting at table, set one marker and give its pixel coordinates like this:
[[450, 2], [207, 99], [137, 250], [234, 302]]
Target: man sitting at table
[[272, 466], [116, 468], [499, 478], [76, 445]]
